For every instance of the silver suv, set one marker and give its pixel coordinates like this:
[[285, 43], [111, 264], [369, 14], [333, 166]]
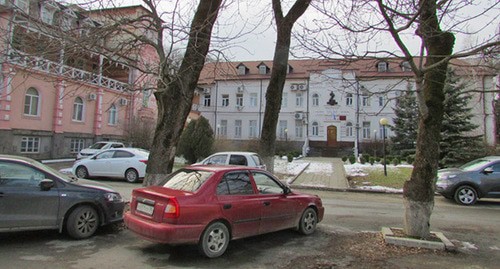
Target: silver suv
[[98, 147], [244, 158]]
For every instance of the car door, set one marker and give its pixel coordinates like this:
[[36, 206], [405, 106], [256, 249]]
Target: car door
[[121, 160], [23, 204], [100, 165], [279, 211], [239, 203], [490, 181]]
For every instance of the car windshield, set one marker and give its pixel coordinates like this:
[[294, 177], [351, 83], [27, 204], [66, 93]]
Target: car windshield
[[474, 165], [97, 146], [186, 180]]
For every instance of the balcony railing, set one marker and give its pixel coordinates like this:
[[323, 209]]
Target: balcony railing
[[44, 65]]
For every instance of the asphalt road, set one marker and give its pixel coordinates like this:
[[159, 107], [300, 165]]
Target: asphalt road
[[346, 214]]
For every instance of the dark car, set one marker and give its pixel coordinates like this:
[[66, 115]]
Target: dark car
[[35, 197], [474, 180], [210, 205]]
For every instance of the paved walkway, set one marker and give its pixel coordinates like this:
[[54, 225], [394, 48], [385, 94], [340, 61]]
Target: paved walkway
[[322, 173]]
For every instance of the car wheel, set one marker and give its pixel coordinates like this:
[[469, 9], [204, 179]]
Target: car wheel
[[308, 221], [131, 175], [82, 222], [82, 172], [465, 195], [214, 240]]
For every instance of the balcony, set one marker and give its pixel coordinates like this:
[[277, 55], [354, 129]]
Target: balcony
[[75, 74]]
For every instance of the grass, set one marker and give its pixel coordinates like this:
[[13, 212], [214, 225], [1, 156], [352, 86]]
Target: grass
[[396, 176]]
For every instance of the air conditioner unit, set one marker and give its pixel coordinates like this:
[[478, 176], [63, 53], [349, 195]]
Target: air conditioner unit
[[206, 91], [302, 87], [241, 88], [123, 101], [239, 108], [293, 87], [299, 116], [92, 97]]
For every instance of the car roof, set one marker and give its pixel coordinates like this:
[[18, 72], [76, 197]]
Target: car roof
[[236, 152], [222, 168], [17, 158], [491, 158]]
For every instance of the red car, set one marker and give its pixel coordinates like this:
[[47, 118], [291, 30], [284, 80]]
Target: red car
[[210, 205]]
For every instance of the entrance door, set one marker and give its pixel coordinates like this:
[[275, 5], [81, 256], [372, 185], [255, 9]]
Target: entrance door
[[332, 135]]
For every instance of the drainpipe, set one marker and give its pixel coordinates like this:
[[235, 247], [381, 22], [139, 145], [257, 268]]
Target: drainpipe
[[215, 111], [305, 147], [356, 141], [260, 109]]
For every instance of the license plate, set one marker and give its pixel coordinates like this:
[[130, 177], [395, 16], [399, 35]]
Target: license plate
[[144, 208]]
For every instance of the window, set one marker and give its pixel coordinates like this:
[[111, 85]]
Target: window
[[365, 99], [366, 130], [315, 129], [23, 5], [105, 155], [253, 129], [382, 67], [78, 109], [381, 101], [282, 129], [206, 100], [217, 159], [299, 99], [348, 99], [225, 100], [348, 129], [239, 99], [284, 100], [223, 128], [235, 183], [262, 69], [242, 70], [266, 184], [299, 129], [47, 13], [76, 145], [123, 154], [30, 145], [20, 176], [253, 100], [405, 66], [146, 95], [315, 99], [31, 102], [237, 128], [113, 115], [238, 160]]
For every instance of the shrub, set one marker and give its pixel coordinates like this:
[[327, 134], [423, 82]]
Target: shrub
[[289, 157], [362, 160], [396, 161], [372, 160], [196, 140], [352, 159], [344, 159], [410, 159]]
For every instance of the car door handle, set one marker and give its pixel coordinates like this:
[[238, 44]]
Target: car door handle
[[267, 203], [227, 206]]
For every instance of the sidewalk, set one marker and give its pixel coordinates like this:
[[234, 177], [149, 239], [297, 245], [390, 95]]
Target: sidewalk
[[322, 173]]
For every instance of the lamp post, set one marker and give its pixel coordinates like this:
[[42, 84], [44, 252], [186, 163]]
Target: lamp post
[[375, 144], [384, 122], [286, 134]]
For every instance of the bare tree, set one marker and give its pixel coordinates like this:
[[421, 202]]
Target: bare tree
[[284, 25], [365, 21]]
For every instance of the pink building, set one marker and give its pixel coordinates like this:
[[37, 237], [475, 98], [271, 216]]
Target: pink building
[[61, 88]]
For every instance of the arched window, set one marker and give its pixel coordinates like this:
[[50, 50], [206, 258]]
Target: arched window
[[315, 129], [31, 102], [113, 115], [78, 109], [348, 129], [315, 99], [348, 99]]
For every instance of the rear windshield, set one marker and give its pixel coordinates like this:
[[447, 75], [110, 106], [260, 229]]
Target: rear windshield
[[98, 145], [186, 180]]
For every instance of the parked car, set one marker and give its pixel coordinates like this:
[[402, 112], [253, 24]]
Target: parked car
[[210, 205], [127, 163], [245, 158], [97, 147], [36, 197], [474, 180]]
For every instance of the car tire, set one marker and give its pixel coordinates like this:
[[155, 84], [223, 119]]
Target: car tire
[[82, 222], [214, 240], [82, 172], [308, 221], [465, 195], [131, 175]]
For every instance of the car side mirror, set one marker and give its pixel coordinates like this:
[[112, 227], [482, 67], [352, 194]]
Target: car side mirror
[[488, 170], [286, 190], [46, 184]]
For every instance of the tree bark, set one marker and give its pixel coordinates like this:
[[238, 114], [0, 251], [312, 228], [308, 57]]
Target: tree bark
[[278, 76], [175, 93], [418, 192]]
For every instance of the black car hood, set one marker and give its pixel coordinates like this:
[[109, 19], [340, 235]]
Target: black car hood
[[93, 184]]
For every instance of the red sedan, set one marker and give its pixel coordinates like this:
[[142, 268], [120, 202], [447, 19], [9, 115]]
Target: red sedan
[[210, 205]]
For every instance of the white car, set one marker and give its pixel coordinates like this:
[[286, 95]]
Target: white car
[[235, 158], [97, 147], [127, 163]]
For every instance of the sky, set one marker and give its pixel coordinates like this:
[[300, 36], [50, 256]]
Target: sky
[[256, 35]]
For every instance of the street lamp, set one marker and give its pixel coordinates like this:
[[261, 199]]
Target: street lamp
[[286, 134], [384, 122]]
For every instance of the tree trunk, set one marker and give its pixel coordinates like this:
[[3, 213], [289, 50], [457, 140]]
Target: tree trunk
[[418, 192], [175, 94], [278, 77]]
